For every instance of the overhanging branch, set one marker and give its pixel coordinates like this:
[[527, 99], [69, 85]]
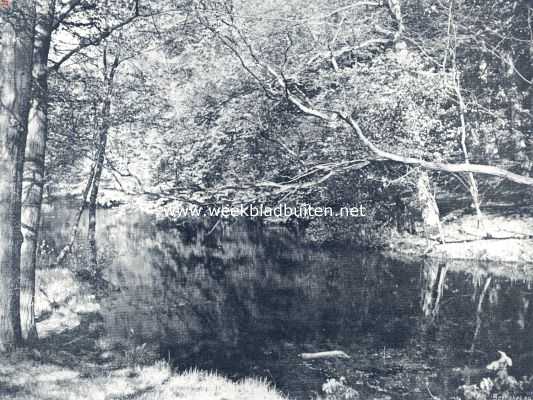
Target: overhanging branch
[[301, 102]]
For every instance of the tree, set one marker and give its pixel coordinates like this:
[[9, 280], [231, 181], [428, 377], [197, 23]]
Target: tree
[[49, 19], [17, 31], [284, 70], [33, 179], [108, 71]]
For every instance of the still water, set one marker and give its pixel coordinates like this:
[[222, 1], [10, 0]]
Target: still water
[[246, 300]]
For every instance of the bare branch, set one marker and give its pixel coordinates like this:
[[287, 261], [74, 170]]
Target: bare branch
[[95, 41]]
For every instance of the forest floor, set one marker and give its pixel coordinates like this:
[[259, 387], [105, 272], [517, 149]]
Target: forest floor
[[70, 361], [499, 238]]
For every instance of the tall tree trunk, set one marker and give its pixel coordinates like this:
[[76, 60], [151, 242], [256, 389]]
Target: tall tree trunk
[[94, 192], [471, 183], [471, 180], [529, 75], [33, 179], [519, 74], [16, 35], [109, 74]]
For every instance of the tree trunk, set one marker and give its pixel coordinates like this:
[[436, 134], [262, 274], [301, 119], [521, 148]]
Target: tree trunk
[[109, 74], [529, 75], [33, 179], [68, 248], [471, 184], [429, 209], [16, 33], [94, 193], [519, 74]]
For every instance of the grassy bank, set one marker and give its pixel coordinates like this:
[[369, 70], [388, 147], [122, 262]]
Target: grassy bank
[[22, 377], [70, 361], [500, 238]]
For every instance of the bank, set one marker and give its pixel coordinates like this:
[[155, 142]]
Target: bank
[[69, 362], [500, 238]]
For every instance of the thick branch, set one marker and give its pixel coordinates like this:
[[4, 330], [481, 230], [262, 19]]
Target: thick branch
[[431, 165], [439, 166], [304, 105]]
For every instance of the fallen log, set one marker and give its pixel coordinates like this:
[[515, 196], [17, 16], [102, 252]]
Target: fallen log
[[324, 354]]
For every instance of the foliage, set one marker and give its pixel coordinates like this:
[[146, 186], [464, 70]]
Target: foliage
[[337, 56], [338, 390], [195, 110], [501, 384]]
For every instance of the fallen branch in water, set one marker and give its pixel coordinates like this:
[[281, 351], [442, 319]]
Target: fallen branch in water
[[324, 354]]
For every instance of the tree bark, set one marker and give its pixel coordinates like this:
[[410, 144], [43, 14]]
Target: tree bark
[[68, 248], [109, 74], [94, 191], [33, 178], [529, 74], [16, 33], [429, 209]]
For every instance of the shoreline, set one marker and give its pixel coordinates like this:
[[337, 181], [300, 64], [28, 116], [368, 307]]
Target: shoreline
[[69, 362], [504, 239]]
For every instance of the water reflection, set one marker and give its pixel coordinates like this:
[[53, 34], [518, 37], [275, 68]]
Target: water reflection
[[247, 300]]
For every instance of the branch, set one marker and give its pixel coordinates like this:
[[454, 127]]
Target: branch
[[304, 105], [325, 172], [65, 13], [325, 354], [396, 12], [439, 166], [431, 165], [95, 41], [295, 20], [128, 174], [349, 49]]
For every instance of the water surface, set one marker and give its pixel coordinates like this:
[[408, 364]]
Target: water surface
[[247, 300]]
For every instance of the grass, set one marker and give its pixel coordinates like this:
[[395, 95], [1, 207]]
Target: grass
[[65, 366], [201, 385], [28, 379]]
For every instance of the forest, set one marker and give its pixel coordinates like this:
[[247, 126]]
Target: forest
[[124, 124]]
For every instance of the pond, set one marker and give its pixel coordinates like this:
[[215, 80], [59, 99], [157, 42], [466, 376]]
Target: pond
[[247, 300]]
